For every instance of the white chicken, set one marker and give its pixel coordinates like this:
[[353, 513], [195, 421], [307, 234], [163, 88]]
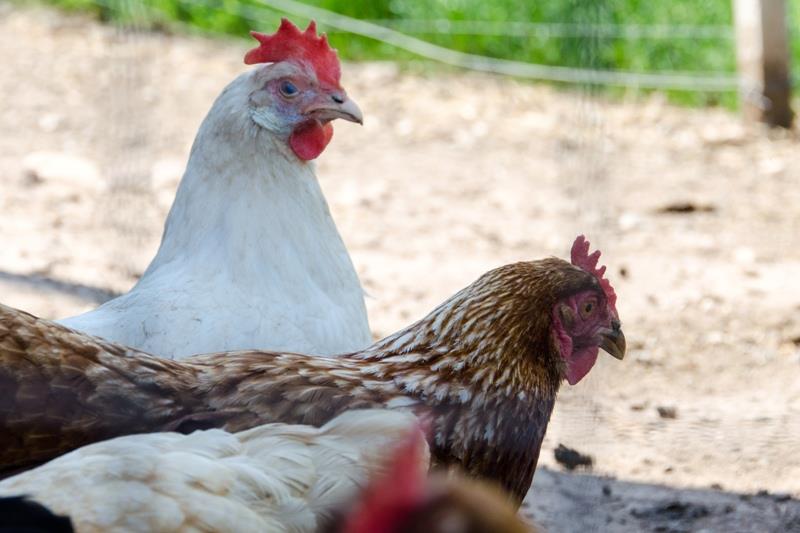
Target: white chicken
[[250, 256], [274, 477]]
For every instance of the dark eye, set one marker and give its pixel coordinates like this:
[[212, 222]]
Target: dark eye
[[289, 89], [587, 308]]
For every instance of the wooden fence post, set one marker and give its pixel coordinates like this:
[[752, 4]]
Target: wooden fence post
[[762, 50]]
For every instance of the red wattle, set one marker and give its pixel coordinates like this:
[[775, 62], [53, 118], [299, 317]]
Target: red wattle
[[579, 364], [309, 139]]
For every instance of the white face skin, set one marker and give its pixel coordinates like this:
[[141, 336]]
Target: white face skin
[[275, 109], [287, 94]]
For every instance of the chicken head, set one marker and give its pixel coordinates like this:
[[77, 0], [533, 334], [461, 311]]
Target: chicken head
[[298, 93]]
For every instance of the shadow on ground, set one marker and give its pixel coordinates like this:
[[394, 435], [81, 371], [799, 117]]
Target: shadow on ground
[[567, 502], [54, 286]]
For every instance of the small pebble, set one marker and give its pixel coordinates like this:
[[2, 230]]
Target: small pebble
[[667, 412]]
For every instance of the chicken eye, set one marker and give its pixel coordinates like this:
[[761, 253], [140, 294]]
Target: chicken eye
[[587, 308], [289, 89]]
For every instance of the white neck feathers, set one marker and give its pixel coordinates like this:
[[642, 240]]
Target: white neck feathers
[[248, 206]]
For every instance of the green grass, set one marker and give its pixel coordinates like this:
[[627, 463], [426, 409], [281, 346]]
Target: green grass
[[709, 54]]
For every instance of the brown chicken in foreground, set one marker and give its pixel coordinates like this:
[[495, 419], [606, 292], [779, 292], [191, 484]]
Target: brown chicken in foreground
[[405, 499], [484, 367]]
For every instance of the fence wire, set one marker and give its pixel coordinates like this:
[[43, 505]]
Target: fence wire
[[556, 30], [379, 30]]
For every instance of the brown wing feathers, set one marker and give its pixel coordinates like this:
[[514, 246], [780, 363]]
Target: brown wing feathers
[[60, 389]]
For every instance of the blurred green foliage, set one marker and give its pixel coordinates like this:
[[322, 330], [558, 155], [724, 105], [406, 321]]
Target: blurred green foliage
[[597, 45]]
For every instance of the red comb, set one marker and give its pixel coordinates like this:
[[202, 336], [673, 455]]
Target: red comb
[[389, 498], [581, 258], [289, 43]]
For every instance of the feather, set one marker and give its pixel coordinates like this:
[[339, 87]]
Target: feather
[[274, 477]]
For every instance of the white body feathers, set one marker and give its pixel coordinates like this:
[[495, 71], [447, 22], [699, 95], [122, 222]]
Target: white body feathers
[[250, 256], [272, 478]]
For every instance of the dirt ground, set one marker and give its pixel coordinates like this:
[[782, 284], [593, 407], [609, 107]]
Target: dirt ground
[[452, 174]]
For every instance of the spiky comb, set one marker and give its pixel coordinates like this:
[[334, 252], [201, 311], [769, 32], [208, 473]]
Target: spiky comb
[[289, 43], [580, 257]]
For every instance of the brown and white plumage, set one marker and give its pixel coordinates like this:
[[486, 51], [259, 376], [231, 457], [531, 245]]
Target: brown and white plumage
[[485, 366], [405, 499], [274, 477]]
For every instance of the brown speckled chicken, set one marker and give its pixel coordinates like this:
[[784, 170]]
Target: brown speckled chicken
[[484, 366], [404, 499]]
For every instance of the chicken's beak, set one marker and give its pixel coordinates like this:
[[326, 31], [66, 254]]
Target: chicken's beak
[[613, 340], [333, 106]]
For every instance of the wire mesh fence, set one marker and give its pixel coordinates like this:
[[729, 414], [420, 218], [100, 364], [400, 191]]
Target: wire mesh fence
[[686, 57]]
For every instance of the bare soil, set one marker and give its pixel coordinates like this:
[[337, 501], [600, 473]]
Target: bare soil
[[452, 174]]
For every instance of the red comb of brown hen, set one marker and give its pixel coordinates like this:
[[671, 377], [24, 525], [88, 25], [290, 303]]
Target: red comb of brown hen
[[581, 257], [289, 43]]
